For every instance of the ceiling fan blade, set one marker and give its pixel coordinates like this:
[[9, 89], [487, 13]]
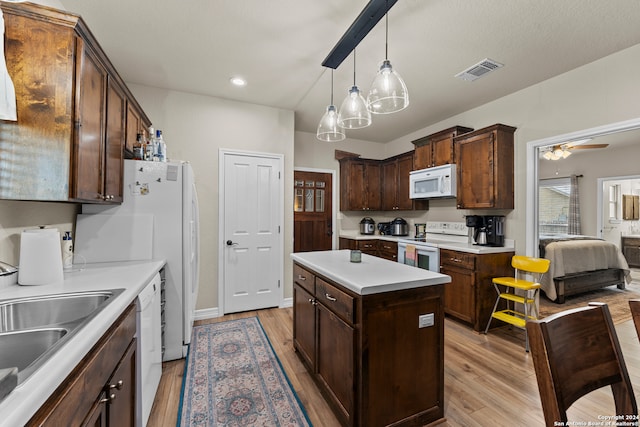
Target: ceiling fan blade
[[585, 146]]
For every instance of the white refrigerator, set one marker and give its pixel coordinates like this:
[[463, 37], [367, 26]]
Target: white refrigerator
[[158, 219]]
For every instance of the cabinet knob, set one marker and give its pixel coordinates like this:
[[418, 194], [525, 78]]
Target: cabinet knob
[[117, 385], [301, 277], [108, 399]]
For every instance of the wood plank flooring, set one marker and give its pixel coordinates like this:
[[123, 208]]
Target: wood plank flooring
[[489, 379]]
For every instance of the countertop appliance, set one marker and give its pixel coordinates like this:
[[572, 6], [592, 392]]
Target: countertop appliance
[[149, 348], [436, 182], [384, 228], [367, 225], [399, 227], [488, 230], [157, 219], [494, 225]]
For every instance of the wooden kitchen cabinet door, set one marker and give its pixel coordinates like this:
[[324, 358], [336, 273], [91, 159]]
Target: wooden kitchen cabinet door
[[336, 360], [360, 185], [395, 182], [438, 148], [114, 142], [40, 61], [304, 325], [88, 183], [484, 160], [459, 295], [122, 385]]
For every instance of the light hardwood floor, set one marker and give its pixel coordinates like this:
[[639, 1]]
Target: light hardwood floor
[[489, 379]]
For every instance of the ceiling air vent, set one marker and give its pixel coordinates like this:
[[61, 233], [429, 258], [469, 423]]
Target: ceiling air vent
[[480, 69]]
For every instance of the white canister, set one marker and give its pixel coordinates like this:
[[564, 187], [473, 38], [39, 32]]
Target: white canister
[[40, 257]]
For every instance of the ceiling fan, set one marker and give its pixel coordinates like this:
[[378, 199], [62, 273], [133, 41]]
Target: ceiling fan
[[562, 151]]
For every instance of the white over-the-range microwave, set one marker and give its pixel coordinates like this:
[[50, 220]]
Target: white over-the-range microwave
[[438, 181]]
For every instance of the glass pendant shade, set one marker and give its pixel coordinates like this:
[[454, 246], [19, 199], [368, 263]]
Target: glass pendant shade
[[328, 129], [353, 111], [388, 93]]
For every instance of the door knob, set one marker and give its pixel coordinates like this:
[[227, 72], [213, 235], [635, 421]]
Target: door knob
[[230, 243]]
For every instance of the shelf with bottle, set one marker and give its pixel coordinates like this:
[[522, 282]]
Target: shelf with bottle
[[153, 150]]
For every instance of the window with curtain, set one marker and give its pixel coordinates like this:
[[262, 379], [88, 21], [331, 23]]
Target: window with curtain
[[559, 206]]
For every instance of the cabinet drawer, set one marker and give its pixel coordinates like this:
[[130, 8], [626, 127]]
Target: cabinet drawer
[[386, 246], [333, 298], [368, 246], [303, 277], [457, 259], [630, 241]]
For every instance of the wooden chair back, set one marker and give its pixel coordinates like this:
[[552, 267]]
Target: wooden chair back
[[575, 352], [634, 305]]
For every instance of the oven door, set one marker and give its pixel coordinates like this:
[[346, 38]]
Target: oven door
[[426, 257]]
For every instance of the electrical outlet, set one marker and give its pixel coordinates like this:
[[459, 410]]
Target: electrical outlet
[[425, 320]]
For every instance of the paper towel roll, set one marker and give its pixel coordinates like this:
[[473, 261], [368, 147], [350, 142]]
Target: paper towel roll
[[40, 257]]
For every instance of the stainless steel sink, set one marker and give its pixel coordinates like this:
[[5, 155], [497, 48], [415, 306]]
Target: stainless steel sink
[[21, 348], [34, 312], [32, 329]]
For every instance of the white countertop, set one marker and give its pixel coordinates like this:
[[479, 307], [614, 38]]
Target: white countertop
[[20, 405], [371, 276], [439, 243]]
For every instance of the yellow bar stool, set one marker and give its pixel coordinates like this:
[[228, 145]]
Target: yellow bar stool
[[528, 292]]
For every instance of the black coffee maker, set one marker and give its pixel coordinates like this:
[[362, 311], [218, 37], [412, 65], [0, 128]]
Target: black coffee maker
[[488, 230], [477, 229], [494, 226]]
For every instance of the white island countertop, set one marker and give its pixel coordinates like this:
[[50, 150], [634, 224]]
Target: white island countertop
[[370, 276], [20, 405]]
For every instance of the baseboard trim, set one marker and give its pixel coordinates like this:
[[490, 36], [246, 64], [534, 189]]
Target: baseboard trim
[[212, 313]]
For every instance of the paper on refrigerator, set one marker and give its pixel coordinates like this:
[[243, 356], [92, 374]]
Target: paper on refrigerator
[[7, 90]]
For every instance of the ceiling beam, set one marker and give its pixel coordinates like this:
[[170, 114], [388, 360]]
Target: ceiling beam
[[368, 18]]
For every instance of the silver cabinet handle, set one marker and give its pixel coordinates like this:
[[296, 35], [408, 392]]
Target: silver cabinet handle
[[117, 385], [108, 399], [329, 297], [301, 277]]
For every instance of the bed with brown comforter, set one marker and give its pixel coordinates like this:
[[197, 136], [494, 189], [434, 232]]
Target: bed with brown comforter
[[580, 264]]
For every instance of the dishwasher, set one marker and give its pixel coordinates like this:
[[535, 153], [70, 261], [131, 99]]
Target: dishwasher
[[149, 348]]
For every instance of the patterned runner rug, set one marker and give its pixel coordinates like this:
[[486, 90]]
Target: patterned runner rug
[[233, 378]]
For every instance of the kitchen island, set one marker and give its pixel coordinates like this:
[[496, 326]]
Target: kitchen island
[[372, 336]]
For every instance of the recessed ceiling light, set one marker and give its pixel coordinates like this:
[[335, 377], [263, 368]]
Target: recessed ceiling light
[[238, 81]]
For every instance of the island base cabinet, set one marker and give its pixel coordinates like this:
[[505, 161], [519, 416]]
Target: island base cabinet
[[402, 372], [372, 361], [335, 360], [304, 325]]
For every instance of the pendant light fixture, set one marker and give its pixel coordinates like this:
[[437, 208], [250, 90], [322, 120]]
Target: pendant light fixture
[[328, 129], [353, 112], [388, 93]]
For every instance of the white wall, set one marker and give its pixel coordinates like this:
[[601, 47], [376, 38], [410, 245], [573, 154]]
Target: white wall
[[195, 127], [602, 92]]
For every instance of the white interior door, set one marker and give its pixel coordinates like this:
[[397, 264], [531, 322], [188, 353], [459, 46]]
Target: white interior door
[[251, 225]]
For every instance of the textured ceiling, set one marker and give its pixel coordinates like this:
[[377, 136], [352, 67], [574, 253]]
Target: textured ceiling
[[278, 46]]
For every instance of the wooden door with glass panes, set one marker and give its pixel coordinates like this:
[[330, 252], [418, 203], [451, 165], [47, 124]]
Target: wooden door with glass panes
[[312, 209]]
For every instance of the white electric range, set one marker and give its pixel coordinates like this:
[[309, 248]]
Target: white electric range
[[423, 251]]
